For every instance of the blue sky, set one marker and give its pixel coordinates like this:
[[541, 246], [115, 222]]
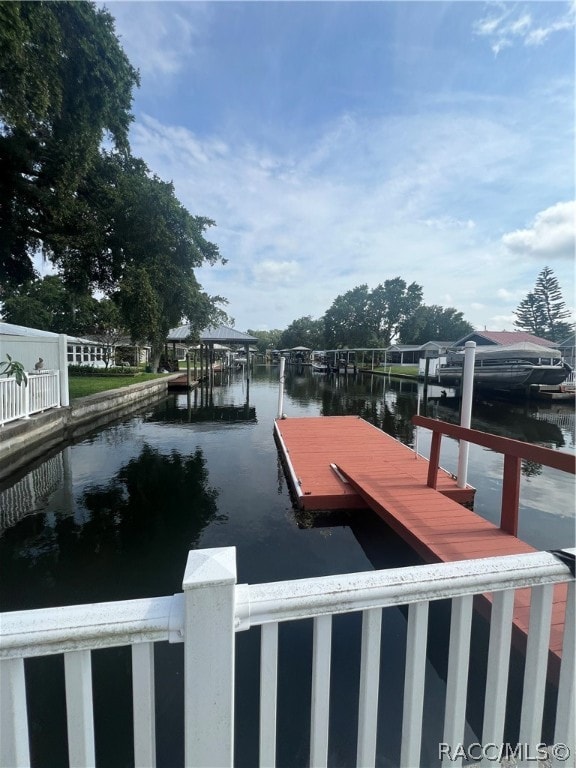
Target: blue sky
[[342, 143]]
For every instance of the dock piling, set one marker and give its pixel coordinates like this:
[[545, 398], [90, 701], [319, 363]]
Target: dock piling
[[281, 388], [466, 410]]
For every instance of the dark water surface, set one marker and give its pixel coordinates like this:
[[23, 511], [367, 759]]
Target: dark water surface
[[113, 517]]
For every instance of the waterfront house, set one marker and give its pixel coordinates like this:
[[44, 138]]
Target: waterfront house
[[415, 354], [28, 344]]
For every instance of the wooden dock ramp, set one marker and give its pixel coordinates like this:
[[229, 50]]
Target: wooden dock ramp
[[344, 462]]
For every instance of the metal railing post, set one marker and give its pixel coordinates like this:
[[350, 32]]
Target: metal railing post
[[209, 645]]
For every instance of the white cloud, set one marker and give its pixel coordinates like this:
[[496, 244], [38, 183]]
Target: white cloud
[[501, 323], [552, 234], [276, 272], [448, 222], [367, 200], [509, 24], [159, 40]]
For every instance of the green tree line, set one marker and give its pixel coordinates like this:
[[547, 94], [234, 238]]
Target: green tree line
[[372, 318], [394, 312], [358, 318]]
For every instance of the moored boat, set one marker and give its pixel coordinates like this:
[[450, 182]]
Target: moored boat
[[319, 363], [508, 367]]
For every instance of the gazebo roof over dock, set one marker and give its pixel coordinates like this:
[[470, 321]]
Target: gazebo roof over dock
[[220, 334]]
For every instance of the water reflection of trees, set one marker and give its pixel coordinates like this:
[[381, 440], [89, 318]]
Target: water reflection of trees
[[388, 404], [130, 540], [524, 422], [531, 468]]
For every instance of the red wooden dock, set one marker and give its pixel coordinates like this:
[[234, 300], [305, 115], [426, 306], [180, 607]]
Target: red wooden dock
[[310, 445], [376, 471]]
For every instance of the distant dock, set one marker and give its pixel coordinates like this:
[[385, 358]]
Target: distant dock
[[180, 383]]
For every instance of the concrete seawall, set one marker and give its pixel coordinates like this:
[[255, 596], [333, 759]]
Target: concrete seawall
[[28, 440]]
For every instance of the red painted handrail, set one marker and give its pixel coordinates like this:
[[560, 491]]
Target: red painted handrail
[[514, 451]]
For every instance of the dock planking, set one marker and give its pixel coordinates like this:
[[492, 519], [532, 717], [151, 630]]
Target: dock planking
[[310, 445], [343, 462]]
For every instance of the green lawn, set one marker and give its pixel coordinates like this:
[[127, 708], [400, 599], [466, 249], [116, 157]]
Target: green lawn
[[81, 386], [407, 370]]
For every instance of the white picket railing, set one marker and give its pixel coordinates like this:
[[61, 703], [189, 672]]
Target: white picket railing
[[41, 392], [213, 607]]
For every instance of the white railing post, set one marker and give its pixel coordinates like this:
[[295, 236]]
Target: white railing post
[[63, 368], [55, 390], [143, 698], [24, 392], [209, 643], [320, 709], [268, 693], [466, 410], [416, 641], [498, 669], [79, 708], [14, 749], [537, 645], [281, 388], [457, 679], [369, 687]]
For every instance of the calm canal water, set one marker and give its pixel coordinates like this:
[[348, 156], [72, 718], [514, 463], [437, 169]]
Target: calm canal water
[[113, 517]]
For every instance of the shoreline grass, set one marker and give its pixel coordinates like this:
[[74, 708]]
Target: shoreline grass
[[393, 370], [82, 386]]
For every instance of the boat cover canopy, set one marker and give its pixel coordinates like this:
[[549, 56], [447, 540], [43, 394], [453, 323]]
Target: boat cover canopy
[[522, 349]]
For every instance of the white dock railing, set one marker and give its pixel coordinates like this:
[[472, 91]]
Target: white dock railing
[[19, 402], [212, 608]]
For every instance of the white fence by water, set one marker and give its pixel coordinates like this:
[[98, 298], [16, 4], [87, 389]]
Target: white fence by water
[[212, 608], [42, 391], [47, 388]]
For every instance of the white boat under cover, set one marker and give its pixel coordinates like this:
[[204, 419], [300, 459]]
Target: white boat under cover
[[510, 366]]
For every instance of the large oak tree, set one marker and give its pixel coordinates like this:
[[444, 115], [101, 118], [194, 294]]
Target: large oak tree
[[50, 305], [434, 323], [102, 218], [129, 236], [371, 318], [303, 332], [347, 320], [391, 304], [65, 85]]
